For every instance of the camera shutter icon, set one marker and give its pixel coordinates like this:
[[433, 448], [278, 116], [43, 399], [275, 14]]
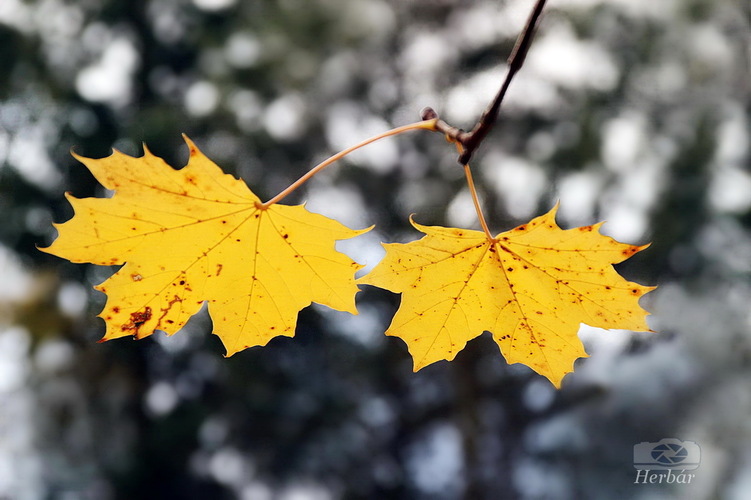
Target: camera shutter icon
[[668, 453]]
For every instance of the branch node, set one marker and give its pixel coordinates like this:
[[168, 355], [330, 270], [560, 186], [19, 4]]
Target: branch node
[[428, 113]]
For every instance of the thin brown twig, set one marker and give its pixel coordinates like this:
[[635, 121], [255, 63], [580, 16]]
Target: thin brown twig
[[471, 140]]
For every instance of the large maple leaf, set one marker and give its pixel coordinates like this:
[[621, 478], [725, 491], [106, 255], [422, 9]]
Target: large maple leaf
[[531, 287], [198, 235]]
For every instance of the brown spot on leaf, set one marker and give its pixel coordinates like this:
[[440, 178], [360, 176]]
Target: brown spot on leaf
[[137, 319]]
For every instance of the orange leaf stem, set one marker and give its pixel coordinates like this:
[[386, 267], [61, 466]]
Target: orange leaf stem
[[425, 124], [476, 201], [473, 191]]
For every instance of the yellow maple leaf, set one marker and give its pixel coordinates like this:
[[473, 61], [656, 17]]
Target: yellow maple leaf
[[531, 287], [198, 235]]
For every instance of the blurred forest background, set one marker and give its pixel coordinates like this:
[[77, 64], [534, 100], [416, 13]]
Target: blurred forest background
[[631, 111]]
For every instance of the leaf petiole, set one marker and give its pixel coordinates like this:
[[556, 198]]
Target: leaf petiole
[[476, 201], [425, 124], [473, 191]]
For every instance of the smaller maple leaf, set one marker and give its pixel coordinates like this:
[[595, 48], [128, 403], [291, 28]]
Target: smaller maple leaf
[[531, 287], [199, 235]]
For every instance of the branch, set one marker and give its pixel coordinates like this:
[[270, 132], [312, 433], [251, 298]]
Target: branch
[[471, 140]]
